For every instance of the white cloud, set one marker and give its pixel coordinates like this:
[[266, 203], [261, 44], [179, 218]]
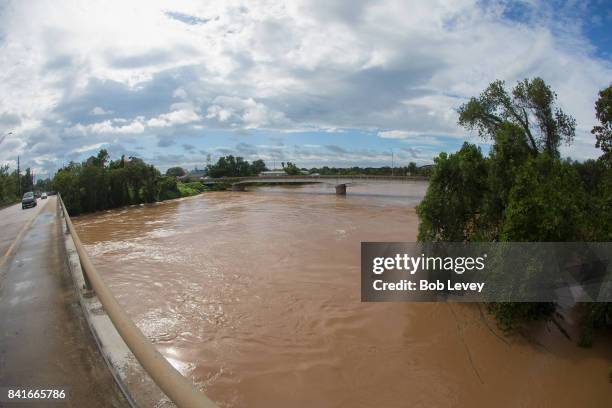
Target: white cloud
[[89, 148], [246, 112], [181, 115], [179, 93], [107, 127], [98, 111], [395, 134], [393, 67]]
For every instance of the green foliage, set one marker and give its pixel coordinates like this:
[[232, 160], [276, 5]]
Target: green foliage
[[27, 181], [67, 183], [510, 315], [546, 203], [190, 189], [291, 169], [175, 172], [509, 152], [230, 166], [43, 185], [526, 192], [9, 190], [411, 169], [603, 131], [258, 166], [99, 184], [168, 188], [455, 196], [531, 101]]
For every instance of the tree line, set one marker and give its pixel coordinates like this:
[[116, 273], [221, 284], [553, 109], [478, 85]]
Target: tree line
[[410, 170], [99, 183], [523, 191], [230, 166], [14, 184]]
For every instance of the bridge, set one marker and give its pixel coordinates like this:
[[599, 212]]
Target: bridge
[[340, 182]]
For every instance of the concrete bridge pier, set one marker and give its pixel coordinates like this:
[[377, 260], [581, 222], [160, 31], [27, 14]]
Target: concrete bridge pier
[[238, 187], [341, 189]]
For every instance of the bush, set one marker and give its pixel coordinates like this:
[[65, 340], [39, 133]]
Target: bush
[[191, 188], [510, 315], [168, 188]]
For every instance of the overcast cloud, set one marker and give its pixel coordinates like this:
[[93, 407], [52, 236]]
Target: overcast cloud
[[315, 82]]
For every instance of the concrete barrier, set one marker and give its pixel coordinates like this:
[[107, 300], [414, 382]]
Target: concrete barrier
[[146, 378], [137, 386]]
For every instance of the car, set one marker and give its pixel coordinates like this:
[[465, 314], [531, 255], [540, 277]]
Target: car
[[43, 196], [28, 200]]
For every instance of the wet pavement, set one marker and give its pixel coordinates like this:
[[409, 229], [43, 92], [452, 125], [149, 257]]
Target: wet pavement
[[44, 340]]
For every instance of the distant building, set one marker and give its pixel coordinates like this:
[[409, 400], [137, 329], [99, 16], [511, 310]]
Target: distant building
[[272, 173]]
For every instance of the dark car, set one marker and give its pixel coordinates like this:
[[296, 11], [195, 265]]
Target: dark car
[[28, 200]]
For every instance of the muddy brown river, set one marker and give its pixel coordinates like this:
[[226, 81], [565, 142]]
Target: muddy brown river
[[256, 296]]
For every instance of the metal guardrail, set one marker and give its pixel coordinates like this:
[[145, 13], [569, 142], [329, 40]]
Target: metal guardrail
[[178, 388]]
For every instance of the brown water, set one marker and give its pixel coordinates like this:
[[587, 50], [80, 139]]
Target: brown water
[[256, 296]]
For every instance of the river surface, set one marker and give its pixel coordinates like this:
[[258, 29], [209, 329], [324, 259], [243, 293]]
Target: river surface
[[256, 296]]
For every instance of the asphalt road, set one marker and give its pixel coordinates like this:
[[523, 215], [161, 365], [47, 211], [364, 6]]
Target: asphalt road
[[44, 340]]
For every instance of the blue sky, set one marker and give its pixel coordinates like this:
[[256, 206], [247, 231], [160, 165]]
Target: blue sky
[[314, 82]]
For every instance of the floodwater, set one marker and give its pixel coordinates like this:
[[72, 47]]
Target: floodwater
[[256, 296]]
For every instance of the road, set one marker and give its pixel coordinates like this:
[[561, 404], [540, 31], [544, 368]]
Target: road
[[44, 338]]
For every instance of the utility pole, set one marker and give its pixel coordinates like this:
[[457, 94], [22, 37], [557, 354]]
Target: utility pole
[[392, 166], [18, 177]]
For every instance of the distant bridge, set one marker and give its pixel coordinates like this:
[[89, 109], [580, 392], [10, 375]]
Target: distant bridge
[[340, 182]]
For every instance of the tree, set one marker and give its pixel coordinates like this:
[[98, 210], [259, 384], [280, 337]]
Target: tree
[[99, 183], [230, 166], [508, 153], [27, 181], [291, 169], [521, 192], [175, 172], [546, 203], [8, 185], [454, 197], [603, 131], [258, 166], [531, 106], [412, 168]]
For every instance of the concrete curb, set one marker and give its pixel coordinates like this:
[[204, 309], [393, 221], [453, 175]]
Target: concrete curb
[[139, 389]]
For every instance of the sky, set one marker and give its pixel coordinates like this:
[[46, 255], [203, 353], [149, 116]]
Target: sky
[[315, 82]]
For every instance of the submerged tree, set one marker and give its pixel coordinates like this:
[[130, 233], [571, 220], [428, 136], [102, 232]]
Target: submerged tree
[[521, 192], [454, 197]]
